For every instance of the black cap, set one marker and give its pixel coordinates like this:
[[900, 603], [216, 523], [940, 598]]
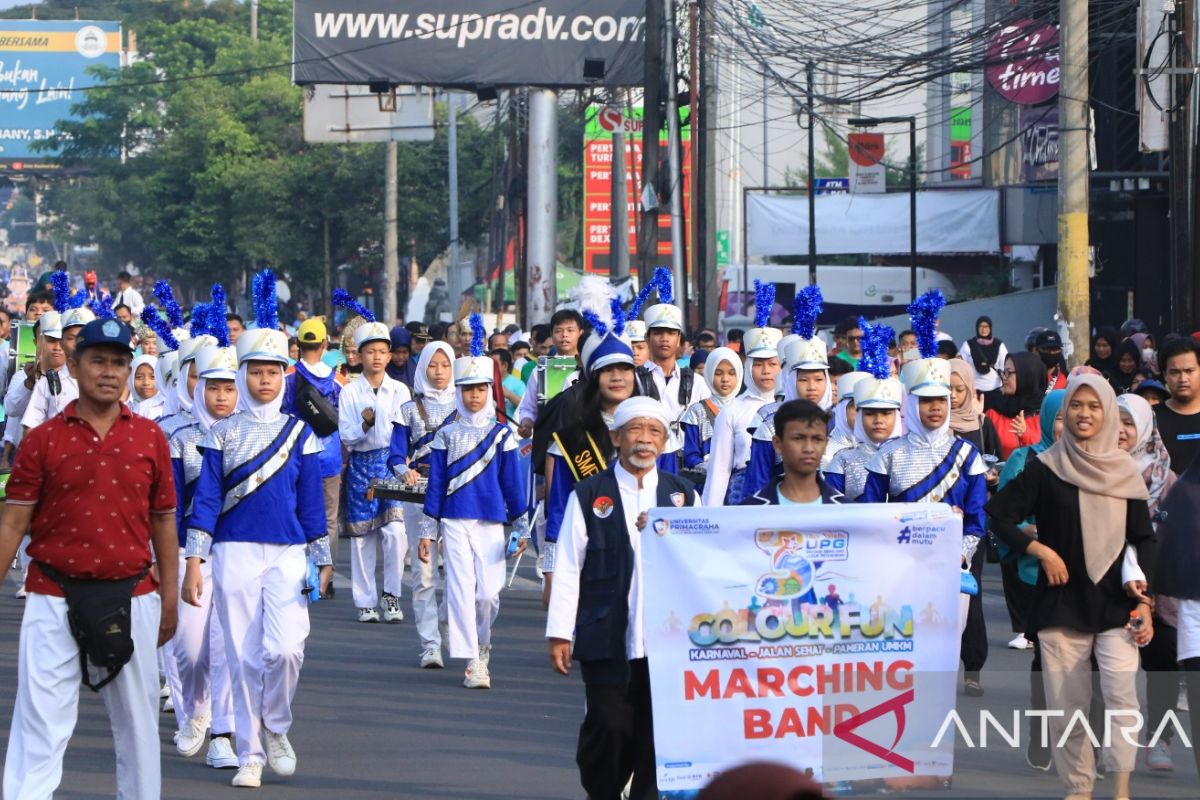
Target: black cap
[[104, 331], [1048, 339]]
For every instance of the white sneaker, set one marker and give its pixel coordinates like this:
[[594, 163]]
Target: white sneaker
[[485, 654], [368, 615], [164, 692], [1158, 758], [477, 676], [391, 608], [280, 754], [249, 776], [220, 754], [1020, 643], [431, 658], [168, 704], [191, 735]]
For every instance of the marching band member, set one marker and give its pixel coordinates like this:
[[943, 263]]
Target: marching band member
[[597, 601], [724, 374], [845, 414], [476, 484], [930, 464], [145, 395], [635, 329], [584, 448], [566, 328], [204, 699], [730, 446], [412, 435], [808, 379], [877, 399], [50, 396], [257, 503], [366, 411], [661, 377]]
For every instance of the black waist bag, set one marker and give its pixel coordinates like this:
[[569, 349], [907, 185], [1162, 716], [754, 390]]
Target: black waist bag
[[315, 408], [100, 615]]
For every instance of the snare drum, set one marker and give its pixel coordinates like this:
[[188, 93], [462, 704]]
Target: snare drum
[[22, 347], [553, 374]]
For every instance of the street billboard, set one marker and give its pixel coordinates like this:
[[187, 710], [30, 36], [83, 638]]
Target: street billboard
[[551, 43], [43, 67]]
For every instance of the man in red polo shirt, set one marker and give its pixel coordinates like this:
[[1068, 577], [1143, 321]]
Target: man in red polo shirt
[[94, 487]]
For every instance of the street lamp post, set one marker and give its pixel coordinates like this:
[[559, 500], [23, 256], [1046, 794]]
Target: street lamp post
[[870, 122]]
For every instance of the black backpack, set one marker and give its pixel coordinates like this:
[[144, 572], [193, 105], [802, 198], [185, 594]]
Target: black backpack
[[315, 408]]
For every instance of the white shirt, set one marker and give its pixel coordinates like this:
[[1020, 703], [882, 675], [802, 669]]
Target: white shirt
[[1189, 629], [356, 397], [991, 381], [130, 297], [668, 390], [729, 448], [528, 408], [572, 549], [43, 405], [16, 400]]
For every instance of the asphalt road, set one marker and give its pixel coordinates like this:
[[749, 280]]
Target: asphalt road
[[370, 724]]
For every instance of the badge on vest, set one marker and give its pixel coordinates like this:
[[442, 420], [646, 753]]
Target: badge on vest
[[677, 498], [602, 507]]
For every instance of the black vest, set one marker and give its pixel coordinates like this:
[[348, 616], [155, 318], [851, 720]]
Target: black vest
[[607, 573]]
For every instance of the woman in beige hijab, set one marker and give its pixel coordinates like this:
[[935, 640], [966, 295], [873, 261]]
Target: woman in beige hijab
[[1090, 501]]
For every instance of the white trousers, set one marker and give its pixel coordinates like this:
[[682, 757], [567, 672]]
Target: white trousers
[[474, 554], [47, 703], [426, 610], [392, 538], [265, 616], [201, 671]]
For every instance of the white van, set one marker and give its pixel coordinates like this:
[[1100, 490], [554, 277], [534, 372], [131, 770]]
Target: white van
[[848, 291]]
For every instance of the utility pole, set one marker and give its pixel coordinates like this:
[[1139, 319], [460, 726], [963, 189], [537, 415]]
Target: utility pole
[[652, 121], [674, 164], [1073, 181], [391, 237], [542, 205], [254, 20], [452, 148], [810, 69], [619, 213]]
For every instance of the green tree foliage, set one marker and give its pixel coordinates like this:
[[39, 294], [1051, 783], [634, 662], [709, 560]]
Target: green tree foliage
[[194, 164]]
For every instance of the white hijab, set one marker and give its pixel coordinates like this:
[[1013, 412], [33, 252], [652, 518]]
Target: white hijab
[[710, 369], [860, 431], [166, 388], [790, 392], [478, 419], [917, 429], [182, 396], [766, 395], [263, 412], [141, 361], [422, 386], [841, 420], [200, 408]]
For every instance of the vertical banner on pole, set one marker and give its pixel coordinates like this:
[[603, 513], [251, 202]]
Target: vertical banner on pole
[[827, 640], [866, 169]]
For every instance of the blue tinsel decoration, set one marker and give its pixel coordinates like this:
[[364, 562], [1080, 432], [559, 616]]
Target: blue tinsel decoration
[[635, 310], [200, 321], [764, 301], [478, 335], [156, 323], [217, 321], [809, 305], [666, 292], [618, 324], [875, 343], [598, 326], [103, 308], [61, 282], [344, 299], [924, 313], [78, 300], [162, 290], [266, 310]]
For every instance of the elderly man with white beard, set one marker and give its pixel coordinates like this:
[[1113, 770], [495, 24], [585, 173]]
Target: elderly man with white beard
[[597, 596]]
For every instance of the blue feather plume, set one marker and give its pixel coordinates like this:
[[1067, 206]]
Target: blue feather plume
[[200, 321], [61, 283], [635, 310], [808, 307], [103, 307], [924, 313], [598, 326], [666, 292], [162, 291], [764, 301], [618, 317], [266, 309], [344, 299], [876, 340], [216, 318], [478, 335], [162, 330], [78, 300]]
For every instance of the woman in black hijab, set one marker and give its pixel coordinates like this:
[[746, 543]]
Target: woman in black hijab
[[1128, 359], [1014, 411], [1104, 351], [986, 355]]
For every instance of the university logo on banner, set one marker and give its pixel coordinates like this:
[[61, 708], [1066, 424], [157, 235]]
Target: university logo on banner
[[803, 639], [867, 173]]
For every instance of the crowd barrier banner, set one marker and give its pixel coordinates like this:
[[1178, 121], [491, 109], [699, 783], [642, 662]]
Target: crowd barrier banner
[[824, 637]]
